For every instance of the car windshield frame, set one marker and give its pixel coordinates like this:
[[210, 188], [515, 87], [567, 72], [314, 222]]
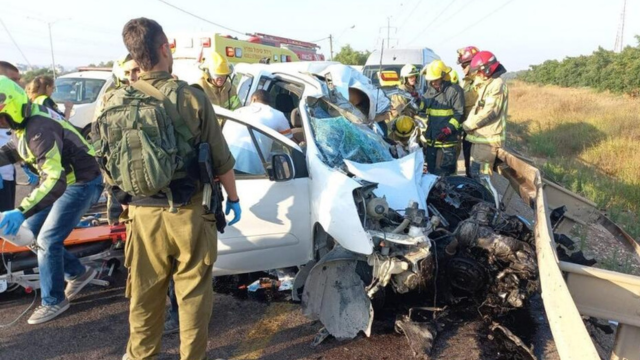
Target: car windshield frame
[[81, 90]]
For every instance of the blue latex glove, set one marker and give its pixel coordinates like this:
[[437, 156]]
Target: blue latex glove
[[11, 221], [1, 184], [32, 178], [237, 211]]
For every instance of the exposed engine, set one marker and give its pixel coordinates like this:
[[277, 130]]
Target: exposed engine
[[477, 256], [403, 256]]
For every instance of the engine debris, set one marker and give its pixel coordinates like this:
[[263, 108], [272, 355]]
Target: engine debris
[[464, 254]]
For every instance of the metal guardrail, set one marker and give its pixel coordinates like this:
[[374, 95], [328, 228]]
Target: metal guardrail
[[570, 290]]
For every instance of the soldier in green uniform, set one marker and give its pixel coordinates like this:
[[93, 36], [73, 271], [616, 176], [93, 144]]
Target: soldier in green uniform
[[180, 231]]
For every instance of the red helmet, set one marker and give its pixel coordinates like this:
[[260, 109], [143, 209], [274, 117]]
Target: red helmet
[[485, 62], [466, 54]]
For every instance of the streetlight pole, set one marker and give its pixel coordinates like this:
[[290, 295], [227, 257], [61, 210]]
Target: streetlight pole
[[53, 59]]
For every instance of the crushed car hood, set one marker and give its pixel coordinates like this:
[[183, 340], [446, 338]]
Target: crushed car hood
[[400, 181]]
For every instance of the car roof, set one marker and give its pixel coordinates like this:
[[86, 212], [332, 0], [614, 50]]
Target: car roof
[[102, 75], [415, 56]]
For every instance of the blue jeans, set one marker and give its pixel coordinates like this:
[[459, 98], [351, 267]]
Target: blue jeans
[[51, 227]]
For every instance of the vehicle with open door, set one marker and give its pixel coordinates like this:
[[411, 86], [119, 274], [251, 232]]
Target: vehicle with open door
[[307, 204]]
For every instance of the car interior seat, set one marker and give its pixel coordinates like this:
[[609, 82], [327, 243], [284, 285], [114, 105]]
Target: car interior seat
[[297, 128], [284, 103]]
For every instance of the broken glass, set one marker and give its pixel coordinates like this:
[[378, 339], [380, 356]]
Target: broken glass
[[339, 139]]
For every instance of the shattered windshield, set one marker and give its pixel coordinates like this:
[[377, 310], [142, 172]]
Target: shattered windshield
[[340, 136], [340, 139]]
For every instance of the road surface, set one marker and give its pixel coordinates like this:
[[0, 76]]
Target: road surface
[[96, 327]]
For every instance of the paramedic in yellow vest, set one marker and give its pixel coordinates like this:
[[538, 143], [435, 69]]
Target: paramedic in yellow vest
[[485, 126], [465, 55], [71, 184], [445, 104], [216, 83], [40, 90]]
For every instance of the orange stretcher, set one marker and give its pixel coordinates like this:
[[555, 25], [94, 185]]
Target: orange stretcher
[[98, 245]]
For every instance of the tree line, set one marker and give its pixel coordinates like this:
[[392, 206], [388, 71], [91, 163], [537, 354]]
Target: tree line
[[602, 70]]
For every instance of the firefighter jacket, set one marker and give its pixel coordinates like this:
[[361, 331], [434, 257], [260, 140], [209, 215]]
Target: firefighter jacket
[[444, 110], [409, 88], [470, 96], [399, 102], [56, 150], [487, 121], [226, 96]]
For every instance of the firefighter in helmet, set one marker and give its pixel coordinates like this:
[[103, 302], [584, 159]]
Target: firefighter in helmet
[[444, 103], [485, 126], [465, 55], [216, 82]]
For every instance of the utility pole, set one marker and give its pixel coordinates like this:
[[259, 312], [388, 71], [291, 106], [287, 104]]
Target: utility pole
[[389, 27], [331, 46], [619, 45]]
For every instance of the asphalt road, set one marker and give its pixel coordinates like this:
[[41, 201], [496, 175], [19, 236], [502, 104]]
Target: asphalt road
[[96, 327]]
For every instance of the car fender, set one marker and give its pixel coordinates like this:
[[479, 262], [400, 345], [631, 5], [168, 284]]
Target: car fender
[[335, 294]]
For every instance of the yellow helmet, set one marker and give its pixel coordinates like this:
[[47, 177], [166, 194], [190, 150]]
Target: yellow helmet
[[404, 126], [119, 76], [12, 100], [435, 70], [216, 65], [452, 77], [409, 70]]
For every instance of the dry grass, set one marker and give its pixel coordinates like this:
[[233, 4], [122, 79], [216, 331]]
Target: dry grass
[[588, 141]]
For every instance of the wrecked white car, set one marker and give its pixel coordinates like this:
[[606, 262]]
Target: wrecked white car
[[337, 200]]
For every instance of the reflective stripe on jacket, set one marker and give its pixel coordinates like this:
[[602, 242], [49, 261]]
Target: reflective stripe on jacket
[[44, 100], [444, 109], [56, 150], [487, 122]]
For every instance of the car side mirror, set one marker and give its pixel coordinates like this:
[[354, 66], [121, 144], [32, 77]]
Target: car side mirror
[[281, 168]]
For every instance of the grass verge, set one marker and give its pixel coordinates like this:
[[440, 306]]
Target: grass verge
[[587, 141]]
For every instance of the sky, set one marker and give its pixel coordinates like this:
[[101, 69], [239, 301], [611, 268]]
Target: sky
[[519, 32]]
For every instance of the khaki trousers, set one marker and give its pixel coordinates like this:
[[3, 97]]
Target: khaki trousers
[[483, 158], [155, 238]]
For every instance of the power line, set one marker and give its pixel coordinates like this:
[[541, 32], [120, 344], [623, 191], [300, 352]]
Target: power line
[[409, 15], [315, 41], [15, 43], [432, 22], [477, 22], [201, 18], [457, 11]]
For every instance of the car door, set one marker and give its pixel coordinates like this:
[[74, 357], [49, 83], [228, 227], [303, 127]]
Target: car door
[[275, 228]]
